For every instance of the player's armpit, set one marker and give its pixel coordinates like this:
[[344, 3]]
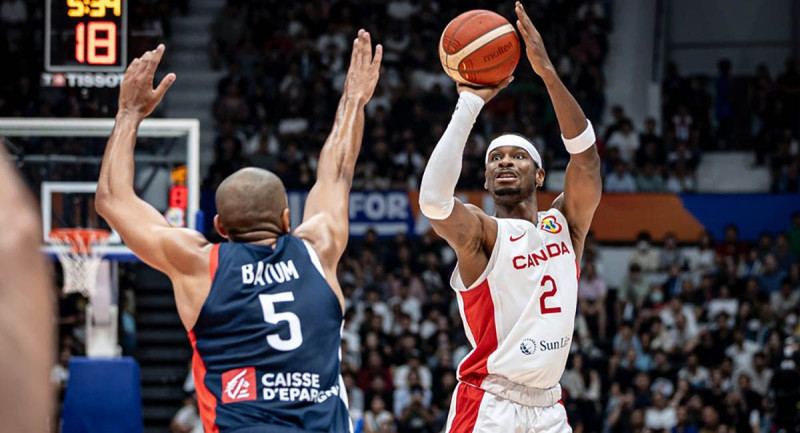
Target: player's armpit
[[325, 223], [464, 228], [472, 235]]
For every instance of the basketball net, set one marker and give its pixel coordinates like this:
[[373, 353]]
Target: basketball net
[[80, 252]]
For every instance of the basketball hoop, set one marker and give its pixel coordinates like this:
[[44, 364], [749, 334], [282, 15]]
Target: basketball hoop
[[80, 252]]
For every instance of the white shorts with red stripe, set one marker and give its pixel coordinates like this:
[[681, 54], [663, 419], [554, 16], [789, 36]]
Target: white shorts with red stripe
[[474, 410]]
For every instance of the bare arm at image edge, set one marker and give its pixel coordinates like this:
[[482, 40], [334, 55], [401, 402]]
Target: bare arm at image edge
[[26, 310]]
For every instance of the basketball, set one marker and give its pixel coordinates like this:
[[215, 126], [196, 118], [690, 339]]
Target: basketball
[[479, 47]]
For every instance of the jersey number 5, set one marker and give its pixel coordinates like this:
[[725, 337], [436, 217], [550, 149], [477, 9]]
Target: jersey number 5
[[270, 316], [548, 294]]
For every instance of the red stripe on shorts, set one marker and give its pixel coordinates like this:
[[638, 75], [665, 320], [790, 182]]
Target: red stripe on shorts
[[479, 313], [468, 403]]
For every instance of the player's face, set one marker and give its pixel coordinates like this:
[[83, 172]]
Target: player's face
[[512, 175]]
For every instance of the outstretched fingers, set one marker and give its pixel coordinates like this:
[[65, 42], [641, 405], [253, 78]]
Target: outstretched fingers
[[165, 84], [524, 23], [376, 61], [155, 58], [367, 43]]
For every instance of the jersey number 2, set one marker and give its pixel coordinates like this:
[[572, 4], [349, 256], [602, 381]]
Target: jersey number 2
[[548, 294], [270, 316]]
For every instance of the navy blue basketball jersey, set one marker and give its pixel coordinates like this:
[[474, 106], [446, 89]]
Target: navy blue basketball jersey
[[267, 343]]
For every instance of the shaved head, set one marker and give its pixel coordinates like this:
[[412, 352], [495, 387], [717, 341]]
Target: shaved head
[[251, 204]]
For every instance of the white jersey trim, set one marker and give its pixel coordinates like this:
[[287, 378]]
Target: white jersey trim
[[314, 258]]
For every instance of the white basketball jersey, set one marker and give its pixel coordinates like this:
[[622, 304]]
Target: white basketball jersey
[[520, 313]]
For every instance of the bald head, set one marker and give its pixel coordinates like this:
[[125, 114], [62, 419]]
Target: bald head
[[251, 205]]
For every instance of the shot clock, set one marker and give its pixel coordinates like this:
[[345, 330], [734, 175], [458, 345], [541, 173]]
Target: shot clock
[[86, 35]]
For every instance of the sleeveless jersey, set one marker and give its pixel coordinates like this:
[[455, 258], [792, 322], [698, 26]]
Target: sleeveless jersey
[[267, 343], [520, 313]]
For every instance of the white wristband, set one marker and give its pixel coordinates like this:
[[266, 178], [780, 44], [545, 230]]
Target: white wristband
[[582, 142]]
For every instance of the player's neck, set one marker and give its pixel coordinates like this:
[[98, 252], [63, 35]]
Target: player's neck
[[525, 210], [265, 238]]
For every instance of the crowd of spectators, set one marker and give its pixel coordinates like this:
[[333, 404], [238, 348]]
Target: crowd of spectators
[[298, 54], [697, 338], [758, 111]]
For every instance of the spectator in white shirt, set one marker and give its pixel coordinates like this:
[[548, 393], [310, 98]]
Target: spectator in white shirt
[[187, 419], [701, 260], [694, 373], [677, 308], [679, 181], [645, 255], [620, 180], [660, 416], [403, 395], [355, 397], [760, 375], [401, 373], [376, 415], [786, 299], [626, 140], [742, 351], [724, 303]]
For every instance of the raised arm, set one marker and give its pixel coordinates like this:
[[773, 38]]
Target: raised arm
[[583, 184], [171, 250], [466, 228], [325, 218], [26, 309]]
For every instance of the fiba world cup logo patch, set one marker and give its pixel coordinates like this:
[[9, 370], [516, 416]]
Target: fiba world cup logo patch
[[527, 347], [550, 225]]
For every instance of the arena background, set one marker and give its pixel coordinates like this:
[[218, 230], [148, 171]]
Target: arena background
[[690, 283]]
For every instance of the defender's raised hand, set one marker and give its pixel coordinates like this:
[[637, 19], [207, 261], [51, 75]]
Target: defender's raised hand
[[534, 47], [362, 76], [136, 95]]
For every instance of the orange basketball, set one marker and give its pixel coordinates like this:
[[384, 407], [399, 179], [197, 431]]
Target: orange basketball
[[479, 47]]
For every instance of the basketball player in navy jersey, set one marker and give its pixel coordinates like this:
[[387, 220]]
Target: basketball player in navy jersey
[[263, 310]]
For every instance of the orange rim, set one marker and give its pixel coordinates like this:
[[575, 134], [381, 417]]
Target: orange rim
[[80, 240]]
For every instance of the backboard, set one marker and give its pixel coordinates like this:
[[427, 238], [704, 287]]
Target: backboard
[[60, 159]]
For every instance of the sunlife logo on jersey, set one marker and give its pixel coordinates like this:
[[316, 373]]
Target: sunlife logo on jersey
[[528, 346]]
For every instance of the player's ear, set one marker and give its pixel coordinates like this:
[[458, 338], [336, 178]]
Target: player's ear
[[540, 173], [218, 225], [286, 220]]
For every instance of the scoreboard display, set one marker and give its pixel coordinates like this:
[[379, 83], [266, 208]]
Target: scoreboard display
[[86, 35]]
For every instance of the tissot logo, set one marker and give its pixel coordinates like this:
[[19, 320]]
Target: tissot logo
[[239, 385]]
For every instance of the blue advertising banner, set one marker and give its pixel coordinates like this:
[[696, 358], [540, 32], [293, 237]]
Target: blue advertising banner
[[387, 212]]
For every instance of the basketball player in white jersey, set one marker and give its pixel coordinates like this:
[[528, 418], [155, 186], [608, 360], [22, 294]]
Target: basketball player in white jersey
[[517, 274]]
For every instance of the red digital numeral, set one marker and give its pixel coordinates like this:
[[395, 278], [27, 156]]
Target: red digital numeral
[[548, 294], [179, 197], [94, 42], [80, 42]]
